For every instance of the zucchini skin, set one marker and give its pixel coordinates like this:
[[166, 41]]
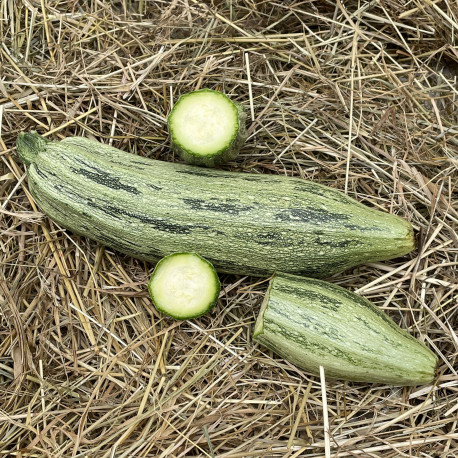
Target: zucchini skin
[[242, 223], [310, 323], [220, 157]]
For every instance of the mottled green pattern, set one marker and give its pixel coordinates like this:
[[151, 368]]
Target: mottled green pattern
[[311, 323], [243, 223]]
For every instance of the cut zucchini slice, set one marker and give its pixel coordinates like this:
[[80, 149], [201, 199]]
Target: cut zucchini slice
[[184, 286], [207, 128]]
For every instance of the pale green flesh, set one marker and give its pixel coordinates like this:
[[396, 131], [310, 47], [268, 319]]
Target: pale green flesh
[[312, 323], [204, 123], [184, 286], [248, 224]]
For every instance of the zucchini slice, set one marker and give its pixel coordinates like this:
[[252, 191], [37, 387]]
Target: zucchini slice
[[184, 286], [207, 128]]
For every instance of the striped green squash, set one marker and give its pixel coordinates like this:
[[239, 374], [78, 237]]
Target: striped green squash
[[242, 223], [310, 323]]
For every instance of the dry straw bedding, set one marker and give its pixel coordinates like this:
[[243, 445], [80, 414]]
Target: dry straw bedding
[[361, 96]]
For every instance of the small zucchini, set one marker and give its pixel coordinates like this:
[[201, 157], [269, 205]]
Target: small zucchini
[[312, 323], [207, 128], [184, 286]]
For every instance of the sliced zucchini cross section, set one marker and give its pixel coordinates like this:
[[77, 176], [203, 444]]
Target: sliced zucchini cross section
[[184, 286], [207, 128]]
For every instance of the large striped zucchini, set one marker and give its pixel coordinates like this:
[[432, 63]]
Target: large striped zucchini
[[310, 323], [242, 223]]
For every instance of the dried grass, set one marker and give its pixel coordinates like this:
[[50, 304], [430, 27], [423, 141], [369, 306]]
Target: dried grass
[[361, 96]]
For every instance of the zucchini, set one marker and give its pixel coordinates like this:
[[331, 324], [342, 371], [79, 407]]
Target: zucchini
[[310, 323], [184, 286], [250, 224], [207, 128]]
